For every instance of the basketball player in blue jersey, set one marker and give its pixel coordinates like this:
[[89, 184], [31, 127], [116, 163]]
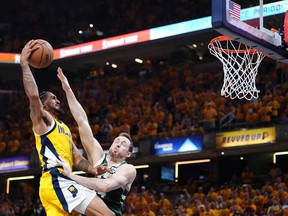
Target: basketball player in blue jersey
[[113, 186], [59, 195]]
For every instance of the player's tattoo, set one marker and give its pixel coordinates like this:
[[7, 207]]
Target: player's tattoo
[[83, 165]]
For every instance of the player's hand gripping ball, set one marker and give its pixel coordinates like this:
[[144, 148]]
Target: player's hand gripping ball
[[43, 56]]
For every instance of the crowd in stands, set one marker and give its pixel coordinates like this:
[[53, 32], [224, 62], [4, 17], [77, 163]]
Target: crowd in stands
[[195, 198], [160, 100], [151, 100]]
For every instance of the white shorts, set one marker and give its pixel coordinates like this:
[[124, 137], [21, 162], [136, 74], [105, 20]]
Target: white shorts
[[65, 193], [90, 194]]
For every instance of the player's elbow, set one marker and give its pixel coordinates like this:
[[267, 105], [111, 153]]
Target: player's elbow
[[107, 188], [113, 184], [35, 102], [77, 159], [33, 97], [108, 185], [81, 121], [76, 162]]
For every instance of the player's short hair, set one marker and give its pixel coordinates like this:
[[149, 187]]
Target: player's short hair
[[43, 95], [129, 138]]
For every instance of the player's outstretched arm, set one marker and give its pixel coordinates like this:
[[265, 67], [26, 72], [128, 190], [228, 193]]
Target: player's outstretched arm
[[29, 82], [90, 144], [37, 112]]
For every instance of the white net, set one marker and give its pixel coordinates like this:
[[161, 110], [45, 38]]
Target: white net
[[240, 66]]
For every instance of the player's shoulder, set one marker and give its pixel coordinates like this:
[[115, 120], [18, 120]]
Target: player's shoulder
[[128, 167], [130, 171]]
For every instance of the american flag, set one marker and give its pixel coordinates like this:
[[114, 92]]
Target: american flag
[[234, 10]]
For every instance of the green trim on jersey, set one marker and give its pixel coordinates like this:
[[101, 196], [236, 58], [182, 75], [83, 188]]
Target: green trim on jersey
[[114, 199]]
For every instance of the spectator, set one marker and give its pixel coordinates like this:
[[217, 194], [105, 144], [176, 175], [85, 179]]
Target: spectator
[[209, 118], [199, 194], [212, 195], [141, 205], [275, 106], [105, 131], [247, 175], [250, 210], [274, 172], [275, 209], [164, 203], [2, 146], [252, 117]]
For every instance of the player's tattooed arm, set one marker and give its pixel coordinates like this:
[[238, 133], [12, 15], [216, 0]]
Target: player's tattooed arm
[[81, 163]]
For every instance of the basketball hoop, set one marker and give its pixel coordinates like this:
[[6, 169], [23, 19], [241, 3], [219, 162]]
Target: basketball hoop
[[240, 66]]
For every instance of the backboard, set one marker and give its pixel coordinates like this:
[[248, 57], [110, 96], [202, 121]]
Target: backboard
[[251, 24]]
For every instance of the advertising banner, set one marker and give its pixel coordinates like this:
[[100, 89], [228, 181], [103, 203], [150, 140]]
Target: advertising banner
[[14, 163], [246, 137], [177, 145]]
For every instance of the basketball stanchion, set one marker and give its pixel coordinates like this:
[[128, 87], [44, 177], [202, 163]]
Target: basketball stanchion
[[240, 66]]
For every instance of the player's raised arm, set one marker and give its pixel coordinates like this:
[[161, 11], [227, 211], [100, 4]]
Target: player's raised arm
[[37, 113], [90, 144], [29, 82]]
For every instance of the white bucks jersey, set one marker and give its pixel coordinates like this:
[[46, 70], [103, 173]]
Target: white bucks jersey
[[114, 199]]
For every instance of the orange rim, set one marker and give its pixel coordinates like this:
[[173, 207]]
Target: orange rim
[[226, 38]]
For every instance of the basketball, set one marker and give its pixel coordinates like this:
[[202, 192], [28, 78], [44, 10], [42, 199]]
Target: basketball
[[43, 56]]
